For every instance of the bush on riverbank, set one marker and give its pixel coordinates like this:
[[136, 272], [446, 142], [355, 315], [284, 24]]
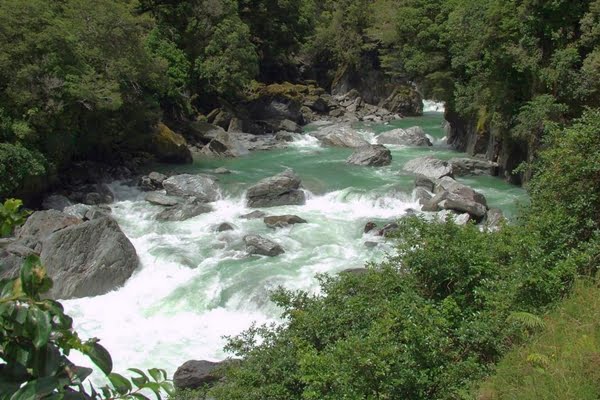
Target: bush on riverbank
[[429, 322]]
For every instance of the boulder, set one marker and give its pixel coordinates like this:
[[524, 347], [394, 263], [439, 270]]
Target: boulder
[[184, 211], [424, 182], [410, 137], [278, 190], [369, 227], [259, 245], [42, 224], [447, 184], [284, 136], [458, 219], [254, 215], [289, 126], [389, 229], [153, 181], [97, 212], [77, 210], [473, 166], [463, 205], [196, 374], [169, 146], [88, 259], [56, 202], [160, 199], [422, 195], [202, 187], [224, 227], [225, 144], [12, 257], [221, 171], [340, 136], [404, 100], [371, 155], [282, 221], [430, 167], [494, 220]]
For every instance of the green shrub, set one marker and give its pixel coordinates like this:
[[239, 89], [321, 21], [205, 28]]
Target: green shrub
[[17, 164], [36, 338], [11, 216]]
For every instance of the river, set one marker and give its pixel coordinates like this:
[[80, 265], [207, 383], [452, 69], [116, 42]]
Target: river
[[195, 286]]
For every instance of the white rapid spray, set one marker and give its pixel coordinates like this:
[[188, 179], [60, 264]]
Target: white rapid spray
[[195, 285]]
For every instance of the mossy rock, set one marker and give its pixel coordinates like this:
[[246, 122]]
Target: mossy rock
[[169, 146]]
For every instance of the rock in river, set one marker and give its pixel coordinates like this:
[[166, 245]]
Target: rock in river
[[182, 212], [259, 245], [201, 187], [429, 166], [195, 374], [279, 190], [371, 155], [409, 137], [282, 221]]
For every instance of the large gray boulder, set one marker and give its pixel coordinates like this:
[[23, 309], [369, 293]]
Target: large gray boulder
[[282, 221], [225, 144], [464, 205], [429, 166], [262, 246], [42, 224], [411, 137], [447, 184], [88, 259], [371, 155], [184, 211], [203, 188], [279, 190], [340, 136], [196, 374], [473, 166]]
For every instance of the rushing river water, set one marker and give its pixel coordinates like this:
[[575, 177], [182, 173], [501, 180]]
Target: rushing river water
[[194, 285]]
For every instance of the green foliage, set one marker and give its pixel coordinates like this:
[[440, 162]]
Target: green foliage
[[36, 338], [11, 216], [17, 165], [559, 363]]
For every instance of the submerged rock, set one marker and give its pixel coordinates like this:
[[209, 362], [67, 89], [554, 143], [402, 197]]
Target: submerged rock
[[224, 227], [282, 221], [259, 245], [411, 137], [279, 190], [371, 155], [203, 188], [430, 167], [369, 226], [254, 215]]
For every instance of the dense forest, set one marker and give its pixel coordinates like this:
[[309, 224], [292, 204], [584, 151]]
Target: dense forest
[[90, 80]]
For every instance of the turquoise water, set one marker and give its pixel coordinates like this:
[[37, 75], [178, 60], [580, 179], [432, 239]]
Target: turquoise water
[[195, 285]]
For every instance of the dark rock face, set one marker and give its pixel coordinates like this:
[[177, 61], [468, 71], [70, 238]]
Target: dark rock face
[[184, 211], [282, 221], [201, 187], [195, 374], [88, 259], [259, 245], [424, 182], [371, 155], [409, 137], [473, 166], [279, 190], [169, 146], [152, 181], [430, 167], [56, 202]]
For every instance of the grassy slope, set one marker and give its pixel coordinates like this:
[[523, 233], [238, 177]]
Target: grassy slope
[[562, 362]]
